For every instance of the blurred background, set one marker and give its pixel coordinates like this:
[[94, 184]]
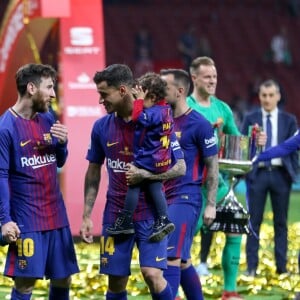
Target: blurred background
[[250, 41]]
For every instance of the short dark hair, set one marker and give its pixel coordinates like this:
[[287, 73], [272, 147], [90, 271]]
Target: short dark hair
[[115, 75], [33, 73], [154, 84], [270, 82], [180, 76]]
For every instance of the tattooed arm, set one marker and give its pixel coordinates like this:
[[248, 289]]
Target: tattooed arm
[[212, 167], [91, 186], [135, 175]]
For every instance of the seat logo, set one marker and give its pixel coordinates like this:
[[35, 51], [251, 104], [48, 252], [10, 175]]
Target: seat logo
[[22, 144]]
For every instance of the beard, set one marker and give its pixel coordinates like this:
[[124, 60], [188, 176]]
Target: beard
[[38, 103]]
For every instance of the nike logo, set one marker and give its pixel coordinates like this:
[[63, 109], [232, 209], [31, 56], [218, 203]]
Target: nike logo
[[111, 144], [22, 144], [169, 248], [159, 258]]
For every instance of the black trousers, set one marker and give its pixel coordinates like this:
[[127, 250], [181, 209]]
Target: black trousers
[[275, 182]]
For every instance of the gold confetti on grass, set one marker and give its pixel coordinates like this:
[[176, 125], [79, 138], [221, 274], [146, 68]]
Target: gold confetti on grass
[[89, 284]]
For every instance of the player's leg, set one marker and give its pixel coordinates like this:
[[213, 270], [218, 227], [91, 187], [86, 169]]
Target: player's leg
[[175, 245], [61, 262], [115, 261], [25, 263], [230, 264], [162, 226], [153, 260], [206, 241], [23, 288], [189, 279]]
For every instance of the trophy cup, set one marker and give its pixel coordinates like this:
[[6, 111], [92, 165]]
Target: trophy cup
[[235, 156]]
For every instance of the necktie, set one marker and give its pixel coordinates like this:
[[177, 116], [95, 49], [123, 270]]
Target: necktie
[[269, 136]]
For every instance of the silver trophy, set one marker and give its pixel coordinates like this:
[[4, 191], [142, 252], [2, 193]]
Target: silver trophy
[[235, 155]]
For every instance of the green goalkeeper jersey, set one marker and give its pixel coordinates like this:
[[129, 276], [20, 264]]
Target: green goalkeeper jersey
[[220, 115]]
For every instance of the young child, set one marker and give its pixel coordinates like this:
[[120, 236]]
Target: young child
[[152, 151]]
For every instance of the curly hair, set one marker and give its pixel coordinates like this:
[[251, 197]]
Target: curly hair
[[154, 84]]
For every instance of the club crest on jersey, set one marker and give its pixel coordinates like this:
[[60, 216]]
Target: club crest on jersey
[[178, 134], [22, 264], [126, 151], [47, 138], [104, 261]]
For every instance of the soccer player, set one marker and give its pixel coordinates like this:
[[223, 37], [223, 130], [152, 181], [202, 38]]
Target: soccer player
[[152, 151], [197, 140], [32, 211], [218, 113], [112, 140]]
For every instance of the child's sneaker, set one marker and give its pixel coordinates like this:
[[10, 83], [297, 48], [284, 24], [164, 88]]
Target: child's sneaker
[[122, 225], [162, 227]]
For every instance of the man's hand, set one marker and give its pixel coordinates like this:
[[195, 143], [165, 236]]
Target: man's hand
[[60, 131], [135, 175], [261, 139], [209, 214], [86, 230], [10, 232]]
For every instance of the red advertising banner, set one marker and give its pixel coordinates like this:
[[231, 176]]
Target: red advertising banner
[[10, 33], [21, 38], [82, 54]]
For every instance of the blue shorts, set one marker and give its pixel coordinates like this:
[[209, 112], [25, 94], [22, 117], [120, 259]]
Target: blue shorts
[[116, 252], [185, 218], [44, 253]]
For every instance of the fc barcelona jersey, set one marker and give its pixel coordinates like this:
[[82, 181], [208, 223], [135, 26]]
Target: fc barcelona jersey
[[29, 187]]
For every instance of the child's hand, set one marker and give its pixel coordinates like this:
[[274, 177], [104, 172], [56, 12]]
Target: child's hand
[[138, 92]]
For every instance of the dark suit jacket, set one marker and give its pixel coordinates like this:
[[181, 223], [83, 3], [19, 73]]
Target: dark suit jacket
[[287, 127]]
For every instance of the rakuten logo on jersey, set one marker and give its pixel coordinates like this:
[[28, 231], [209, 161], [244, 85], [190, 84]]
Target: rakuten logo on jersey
[[210, 142], [38, 161], [117, 166]]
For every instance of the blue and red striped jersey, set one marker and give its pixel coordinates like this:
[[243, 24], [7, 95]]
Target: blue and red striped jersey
[[112, 140], [154, 126], [29, 187], [196, 137]]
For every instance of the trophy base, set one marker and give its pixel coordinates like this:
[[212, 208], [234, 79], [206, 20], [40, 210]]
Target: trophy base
[[231, 216]]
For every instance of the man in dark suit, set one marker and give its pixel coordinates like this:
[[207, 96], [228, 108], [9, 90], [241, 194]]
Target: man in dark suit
[[274, 177]]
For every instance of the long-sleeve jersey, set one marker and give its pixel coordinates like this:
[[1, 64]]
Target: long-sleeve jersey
[[197, 140], [154, 126], [29, 187], [287, 147], [112, 140]]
